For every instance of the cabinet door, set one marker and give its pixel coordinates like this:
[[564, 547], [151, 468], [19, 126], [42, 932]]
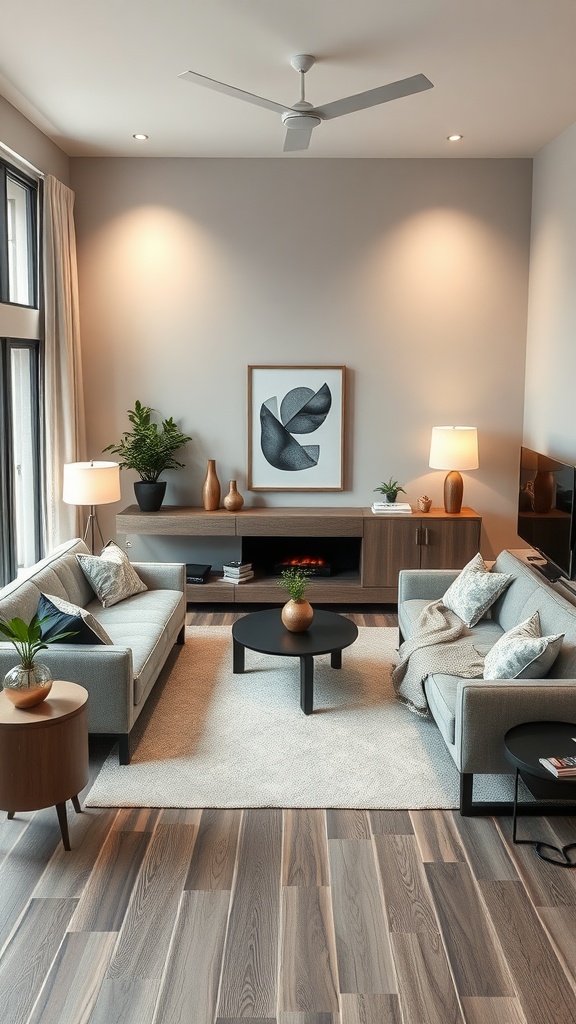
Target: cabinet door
[[388, 546], [448, 543]]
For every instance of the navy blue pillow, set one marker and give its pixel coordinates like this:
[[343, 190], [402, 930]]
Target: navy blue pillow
[[56, 621]]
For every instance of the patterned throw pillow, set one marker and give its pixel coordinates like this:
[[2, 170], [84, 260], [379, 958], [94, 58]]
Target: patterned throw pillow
[[474, 590], [522, 653], [111, 575], [60, 616]]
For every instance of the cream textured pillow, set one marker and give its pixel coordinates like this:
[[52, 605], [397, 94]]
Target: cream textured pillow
[[522, 653], [474, 590], [110, 575]]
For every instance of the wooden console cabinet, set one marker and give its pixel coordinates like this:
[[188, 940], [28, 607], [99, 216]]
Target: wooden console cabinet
[[386, 544]]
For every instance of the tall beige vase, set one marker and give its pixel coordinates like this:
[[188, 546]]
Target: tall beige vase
[[211, 488]]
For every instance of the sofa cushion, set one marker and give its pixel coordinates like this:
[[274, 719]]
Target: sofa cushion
[[144, 623], [60, 616], [441, 691], [474, 590], [111, 575], [58, 573], [487, 630], [522, 653]]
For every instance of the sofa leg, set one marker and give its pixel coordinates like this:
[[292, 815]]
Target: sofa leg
[[180, 639], [124, 748], [470, 808]]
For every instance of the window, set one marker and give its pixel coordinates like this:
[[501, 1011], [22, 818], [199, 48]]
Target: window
[[18, 246], [19, 373]]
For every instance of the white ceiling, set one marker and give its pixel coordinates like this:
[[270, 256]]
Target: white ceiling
[[90, 74]]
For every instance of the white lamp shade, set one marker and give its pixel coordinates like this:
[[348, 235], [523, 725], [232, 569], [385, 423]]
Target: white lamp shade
[[91, 483], [454, 448]]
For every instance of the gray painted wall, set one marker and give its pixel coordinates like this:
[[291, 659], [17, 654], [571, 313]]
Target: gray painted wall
[[551, 346], [412, 273]]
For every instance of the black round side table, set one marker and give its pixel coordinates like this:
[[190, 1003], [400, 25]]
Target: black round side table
[[524, 745]]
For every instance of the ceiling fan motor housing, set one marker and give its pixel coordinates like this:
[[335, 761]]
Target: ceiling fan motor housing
[[300, 120]]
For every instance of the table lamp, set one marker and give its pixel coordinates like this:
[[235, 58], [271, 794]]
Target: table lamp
[[453, 448], [91, 483]]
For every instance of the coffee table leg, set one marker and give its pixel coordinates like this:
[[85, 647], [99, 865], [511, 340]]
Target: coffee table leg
[[237, 656], [307, 683], [63, 820], [336, 659]]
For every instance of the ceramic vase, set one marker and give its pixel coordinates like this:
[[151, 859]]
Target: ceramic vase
[[297, 615], [26, 687], [149, 495], [211, 488], [233, 500]]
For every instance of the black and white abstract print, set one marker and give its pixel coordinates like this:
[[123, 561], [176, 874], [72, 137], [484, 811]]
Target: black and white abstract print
[[296, 428], [301, 412]]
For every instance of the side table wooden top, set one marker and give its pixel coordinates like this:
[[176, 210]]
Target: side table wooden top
[[64, 699]]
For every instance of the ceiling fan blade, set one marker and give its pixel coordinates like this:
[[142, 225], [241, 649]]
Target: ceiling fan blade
[[231, 90], [362, 100], [297, 139]]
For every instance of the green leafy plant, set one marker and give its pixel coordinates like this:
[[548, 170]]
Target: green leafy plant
[[149, 447], [391, 489], [295, 581], [27, 638]]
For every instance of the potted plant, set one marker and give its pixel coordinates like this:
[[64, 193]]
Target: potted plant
[[30, 682], [390, 490], [149, 449], [297, 613]]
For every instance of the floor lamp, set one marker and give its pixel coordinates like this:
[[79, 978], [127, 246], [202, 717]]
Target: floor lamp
[[92, 484], [453, 448]]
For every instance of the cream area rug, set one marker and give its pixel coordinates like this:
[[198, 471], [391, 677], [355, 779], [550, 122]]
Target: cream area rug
[[209, 738]]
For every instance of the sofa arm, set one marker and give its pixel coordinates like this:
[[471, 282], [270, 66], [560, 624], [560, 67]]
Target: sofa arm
[[162, 575], [424, 584], [104, 670], [486, 709]]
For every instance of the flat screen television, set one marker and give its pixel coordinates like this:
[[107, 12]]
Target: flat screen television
[[547, 513]]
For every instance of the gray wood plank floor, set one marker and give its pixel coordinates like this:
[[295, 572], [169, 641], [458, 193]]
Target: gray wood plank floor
[[276, 916]]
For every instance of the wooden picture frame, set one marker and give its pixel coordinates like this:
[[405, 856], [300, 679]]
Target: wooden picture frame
[[296, 428]]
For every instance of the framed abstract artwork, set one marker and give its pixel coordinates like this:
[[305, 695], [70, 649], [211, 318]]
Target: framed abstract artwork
[[296, 428]]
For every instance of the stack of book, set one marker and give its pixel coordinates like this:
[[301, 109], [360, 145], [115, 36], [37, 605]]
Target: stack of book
[[390, 506], [237, 572], [561, 767]]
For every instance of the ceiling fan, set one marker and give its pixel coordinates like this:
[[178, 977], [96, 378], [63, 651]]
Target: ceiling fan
[[301, 118]]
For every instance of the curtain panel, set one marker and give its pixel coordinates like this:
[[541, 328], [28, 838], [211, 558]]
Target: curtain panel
[[64, 421]]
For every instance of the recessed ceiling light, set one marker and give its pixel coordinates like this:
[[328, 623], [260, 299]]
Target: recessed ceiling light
[[139, 137], [451, 138]]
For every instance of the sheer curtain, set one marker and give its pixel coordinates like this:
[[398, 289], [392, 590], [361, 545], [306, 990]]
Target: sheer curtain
[[64, 424]]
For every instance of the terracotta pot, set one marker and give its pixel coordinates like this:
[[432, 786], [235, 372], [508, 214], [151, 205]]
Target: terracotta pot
[[297, 615], [211, 488], [26, 687], [233, 500]]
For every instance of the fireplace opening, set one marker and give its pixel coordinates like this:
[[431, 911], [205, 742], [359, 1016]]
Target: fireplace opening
[[323, 556]]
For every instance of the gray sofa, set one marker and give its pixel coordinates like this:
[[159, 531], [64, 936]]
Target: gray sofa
[[119, 676], [473, 715]]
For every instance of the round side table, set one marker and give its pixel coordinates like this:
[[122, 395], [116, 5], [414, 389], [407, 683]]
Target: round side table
[[44, 753], [524, 745]]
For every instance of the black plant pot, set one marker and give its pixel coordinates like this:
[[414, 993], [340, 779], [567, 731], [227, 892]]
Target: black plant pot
[[150, 496]]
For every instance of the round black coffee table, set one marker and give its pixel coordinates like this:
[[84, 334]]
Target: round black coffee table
[[264, 632], [524, 745]]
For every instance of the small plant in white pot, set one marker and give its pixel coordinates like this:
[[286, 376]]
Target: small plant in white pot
[[297, 613], [30, 682], [390, 490]]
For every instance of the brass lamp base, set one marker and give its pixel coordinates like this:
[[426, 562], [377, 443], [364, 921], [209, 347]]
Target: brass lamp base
[[453, 491]]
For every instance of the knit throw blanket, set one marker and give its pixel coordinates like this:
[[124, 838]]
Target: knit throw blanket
[[437, 646]]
